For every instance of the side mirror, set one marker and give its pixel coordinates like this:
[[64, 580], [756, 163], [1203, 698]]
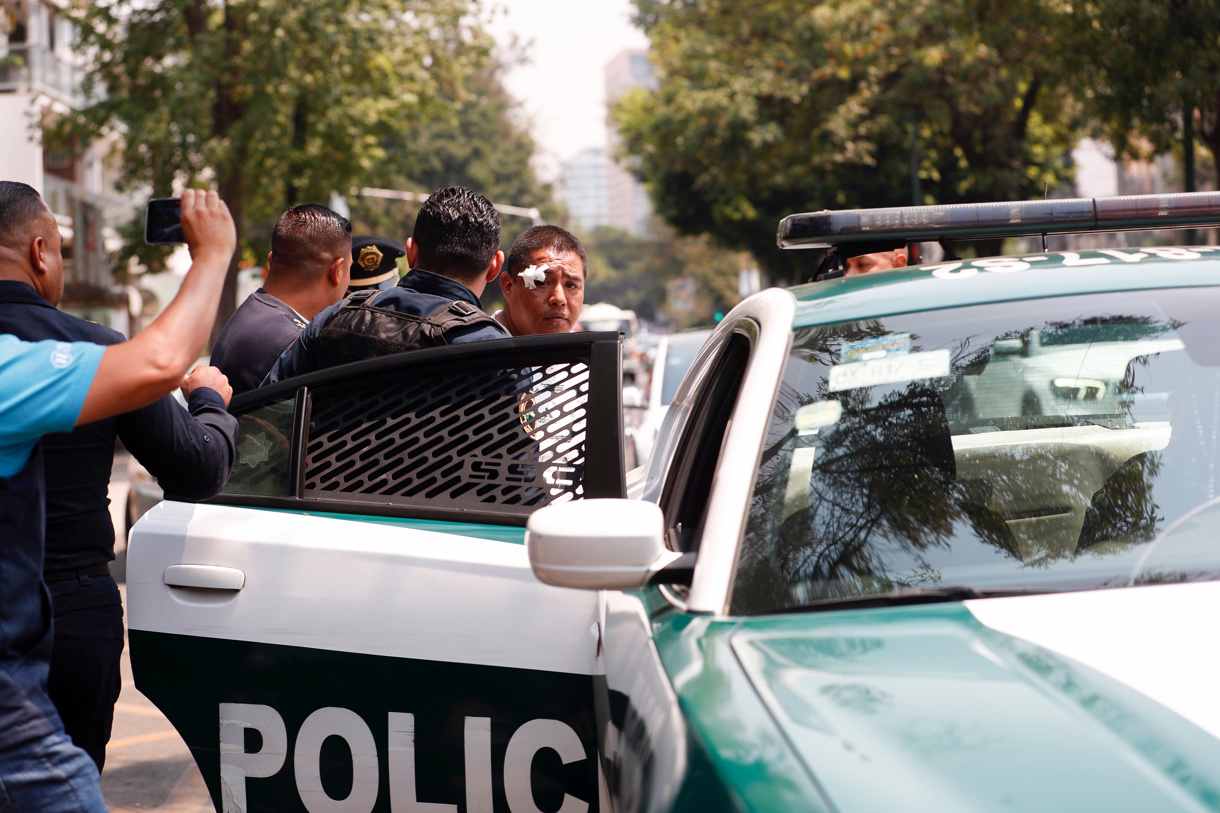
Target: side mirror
[[599, 544]]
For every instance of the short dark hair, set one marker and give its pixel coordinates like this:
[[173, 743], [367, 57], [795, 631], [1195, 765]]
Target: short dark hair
[[560, 241], [19, 204], [458, 233], [303, 232]]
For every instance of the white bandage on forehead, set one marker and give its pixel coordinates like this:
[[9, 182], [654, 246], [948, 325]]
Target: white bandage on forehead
[[534, 275]]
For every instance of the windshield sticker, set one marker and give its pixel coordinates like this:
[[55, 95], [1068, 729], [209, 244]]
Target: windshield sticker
[[909, 367], [254, 449], [812, 417], [877, 348]]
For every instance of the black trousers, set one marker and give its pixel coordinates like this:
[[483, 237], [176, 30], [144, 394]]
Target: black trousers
[[84, 681]]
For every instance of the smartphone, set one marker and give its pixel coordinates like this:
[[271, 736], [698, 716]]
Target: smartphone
[[163, 222]]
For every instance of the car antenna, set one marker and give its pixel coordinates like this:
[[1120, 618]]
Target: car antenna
[[1045, 190]]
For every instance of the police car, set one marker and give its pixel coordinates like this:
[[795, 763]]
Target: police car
[[933, 539]]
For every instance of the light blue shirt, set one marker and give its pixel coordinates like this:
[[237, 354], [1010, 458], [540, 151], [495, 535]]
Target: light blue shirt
[[42, 389]]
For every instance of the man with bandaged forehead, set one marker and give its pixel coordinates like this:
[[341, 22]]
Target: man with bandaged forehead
[[543, 283], [544, 287]]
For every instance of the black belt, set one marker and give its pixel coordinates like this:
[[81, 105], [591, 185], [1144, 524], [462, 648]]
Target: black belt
[[76, 573]]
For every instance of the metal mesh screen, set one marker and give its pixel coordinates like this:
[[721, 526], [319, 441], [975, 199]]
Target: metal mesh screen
[[478, 439]]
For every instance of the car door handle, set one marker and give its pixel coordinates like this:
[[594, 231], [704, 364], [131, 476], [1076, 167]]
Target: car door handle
[[205, 577]]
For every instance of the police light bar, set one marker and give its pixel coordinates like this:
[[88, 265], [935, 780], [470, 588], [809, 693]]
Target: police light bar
[[913, 224]]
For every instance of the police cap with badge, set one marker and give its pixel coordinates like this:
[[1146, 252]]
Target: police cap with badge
[[374, 262]]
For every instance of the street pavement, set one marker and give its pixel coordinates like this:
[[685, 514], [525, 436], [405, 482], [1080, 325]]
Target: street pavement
[[148, 766]]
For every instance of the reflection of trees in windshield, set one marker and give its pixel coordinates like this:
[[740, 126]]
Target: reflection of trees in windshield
[[1088, 330], [882, 487], [879, 472], [881, 499], [1123, 509]]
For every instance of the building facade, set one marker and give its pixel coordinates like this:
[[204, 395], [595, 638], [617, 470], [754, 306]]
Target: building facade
[[628, 206], [39, 81], [582, 186]]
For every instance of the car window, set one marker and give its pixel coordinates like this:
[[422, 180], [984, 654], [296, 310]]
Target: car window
[[689, 483], [263, 451], [1060, 444], [680, 352]]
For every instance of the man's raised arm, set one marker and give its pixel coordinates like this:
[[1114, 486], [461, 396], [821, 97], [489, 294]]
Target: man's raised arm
[[136, 373]]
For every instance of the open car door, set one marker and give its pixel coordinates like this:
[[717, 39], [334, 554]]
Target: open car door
[[353, 624]]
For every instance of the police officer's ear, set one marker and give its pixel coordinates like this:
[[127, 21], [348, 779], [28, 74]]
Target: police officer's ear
[[506, 286], [493, 269], [900, 258], [40, 255], [412, 252], [338, 272]]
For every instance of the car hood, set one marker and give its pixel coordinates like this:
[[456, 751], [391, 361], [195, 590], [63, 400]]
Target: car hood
[[1104, 700]]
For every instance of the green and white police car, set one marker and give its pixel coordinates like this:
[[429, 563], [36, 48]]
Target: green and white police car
[[942, 538]]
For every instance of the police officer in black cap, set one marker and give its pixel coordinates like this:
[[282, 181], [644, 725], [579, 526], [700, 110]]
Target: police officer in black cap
[[374, 263]]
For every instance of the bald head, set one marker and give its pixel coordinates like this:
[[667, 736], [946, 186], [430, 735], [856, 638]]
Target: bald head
[[29, 241]]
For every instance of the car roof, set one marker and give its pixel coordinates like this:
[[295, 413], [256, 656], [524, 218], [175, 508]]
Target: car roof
[[1004, 279]]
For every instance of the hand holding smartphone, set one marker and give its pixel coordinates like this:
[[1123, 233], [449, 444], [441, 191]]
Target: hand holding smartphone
[[163, 222]]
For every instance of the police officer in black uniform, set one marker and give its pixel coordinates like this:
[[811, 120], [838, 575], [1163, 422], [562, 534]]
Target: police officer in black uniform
[[308, 269], [374, 263], [190, 453], [453, 252]]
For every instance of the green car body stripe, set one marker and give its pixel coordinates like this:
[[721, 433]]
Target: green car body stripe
[[944, 706], [730, 732], [496, 533], [190, 677]]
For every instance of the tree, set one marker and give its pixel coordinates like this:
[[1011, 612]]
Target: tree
[[1154, 74], [277, 102], [634, 272], [479, 143], [798, 107]]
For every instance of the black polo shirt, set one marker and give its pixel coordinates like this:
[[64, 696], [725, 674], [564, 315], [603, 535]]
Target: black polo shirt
[[253, 338], [42, 389], [190, 453]]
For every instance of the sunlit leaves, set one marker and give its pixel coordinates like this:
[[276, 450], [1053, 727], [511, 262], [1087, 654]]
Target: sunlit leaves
[[796, 106], [279, 102]]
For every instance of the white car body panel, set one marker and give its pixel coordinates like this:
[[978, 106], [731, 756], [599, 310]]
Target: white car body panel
[[356, 587], [1141, 636]]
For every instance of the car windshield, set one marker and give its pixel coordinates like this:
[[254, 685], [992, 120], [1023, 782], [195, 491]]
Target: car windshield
[[1056, 444], [680, 353]]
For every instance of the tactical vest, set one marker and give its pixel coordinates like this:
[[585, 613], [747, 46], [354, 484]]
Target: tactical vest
[[361, 331]]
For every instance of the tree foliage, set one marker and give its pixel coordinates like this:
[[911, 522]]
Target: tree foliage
[[634, 272], [801, 106], [277, 102], [1153, 70], [479, 143]]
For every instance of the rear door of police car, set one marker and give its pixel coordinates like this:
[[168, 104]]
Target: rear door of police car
[[353, 625]]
